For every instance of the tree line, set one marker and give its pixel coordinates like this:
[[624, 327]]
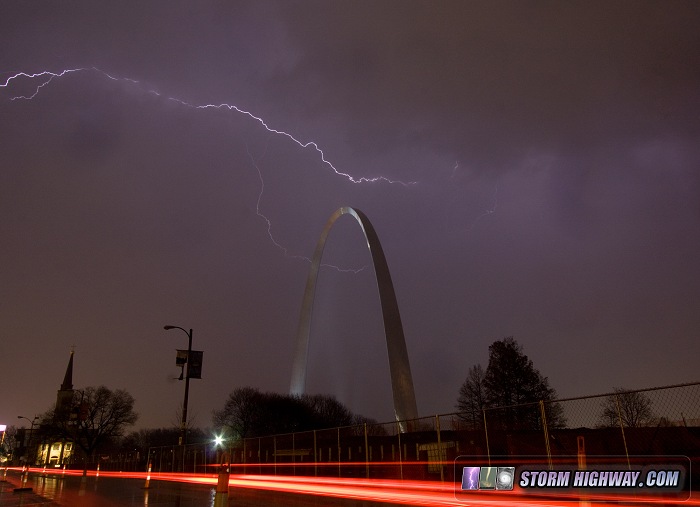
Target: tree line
[[96, 419], [249, 412]]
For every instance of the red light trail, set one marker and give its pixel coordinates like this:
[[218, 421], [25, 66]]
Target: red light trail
[[396, 492]]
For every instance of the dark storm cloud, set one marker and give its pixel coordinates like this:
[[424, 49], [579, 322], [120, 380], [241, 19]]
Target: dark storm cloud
[[532, 75], [553, 146]]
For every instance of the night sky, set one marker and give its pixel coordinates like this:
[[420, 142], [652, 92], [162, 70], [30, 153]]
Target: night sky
[[542, 181]]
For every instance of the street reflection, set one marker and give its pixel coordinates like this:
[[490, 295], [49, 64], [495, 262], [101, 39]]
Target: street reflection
[[116, 489]]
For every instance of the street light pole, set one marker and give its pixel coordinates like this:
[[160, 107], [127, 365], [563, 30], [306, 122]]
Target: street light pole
[[31, 434], [183, 423]]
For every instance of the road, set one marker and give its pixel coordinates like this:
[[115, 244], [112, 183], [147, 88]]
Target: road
[[117, 489], [122, 490]]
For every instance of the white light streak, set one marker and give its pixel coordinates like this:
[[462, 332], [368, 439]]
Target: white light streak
[[47, 77]]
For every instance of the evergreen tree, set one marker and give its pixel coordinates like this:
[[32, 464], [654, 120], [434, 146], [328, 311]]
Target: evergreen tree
[[513, 383]]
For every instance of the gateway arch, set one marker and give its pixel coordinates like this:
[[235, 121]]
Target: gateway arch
[[399, 368]]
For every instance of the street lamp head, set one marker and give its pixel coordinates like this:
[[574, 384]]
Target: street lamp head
[[189, 333]]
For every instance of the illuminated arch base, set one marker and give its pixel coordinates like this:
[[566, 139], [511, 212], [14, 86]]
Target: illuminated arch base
[[401, 379]]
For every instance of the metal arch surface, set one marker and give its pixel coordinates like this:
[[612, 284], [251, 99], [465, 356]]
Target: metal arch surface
[[401, 380]]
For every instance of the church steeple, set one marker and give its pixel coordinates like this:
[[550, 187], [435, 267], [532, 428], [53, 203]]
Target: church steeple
[[64, 398], [68, 378]]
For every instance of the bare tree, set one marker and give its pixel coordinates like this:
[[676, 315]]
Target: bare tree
[[632, 408], [9, 441], [251, 413], [472, 397], [96, 414], [328, 412], [241, 412]]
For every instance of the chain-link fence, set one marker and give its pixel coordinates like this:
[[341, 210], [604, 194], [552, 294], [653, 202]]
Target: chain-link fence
[[658, 421], [661, 421]]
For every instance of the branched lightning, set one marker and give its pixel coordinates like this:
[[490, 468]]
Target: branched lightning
[[308, 144], [47, 77], [284, 249], [50, 76]]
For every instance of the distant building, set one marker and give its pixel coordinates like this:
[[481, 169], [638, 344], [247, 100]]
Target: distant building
[[59, 452]]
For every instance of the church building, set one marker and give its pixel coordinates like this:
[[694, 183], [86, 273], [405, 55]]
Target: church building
[[58, 453]]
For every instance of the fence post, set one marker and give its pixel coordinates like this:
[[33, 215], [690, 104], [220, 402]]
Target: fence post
[[486, 435], [439, 442], [622, 429], [148, 476], [398, 433], [546, 434], [315, 456], [221, 497], [366, 454], [581, 452]]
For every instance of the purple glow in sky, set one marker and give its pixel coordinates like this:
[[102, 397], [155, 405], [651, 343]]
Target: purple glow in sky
[[546, 171]]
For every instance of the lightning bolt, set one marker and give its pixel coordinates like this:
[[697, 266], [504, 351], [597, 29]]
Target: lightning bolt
[[51, 76], [46, 77], [254, 163], [473, 475]]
